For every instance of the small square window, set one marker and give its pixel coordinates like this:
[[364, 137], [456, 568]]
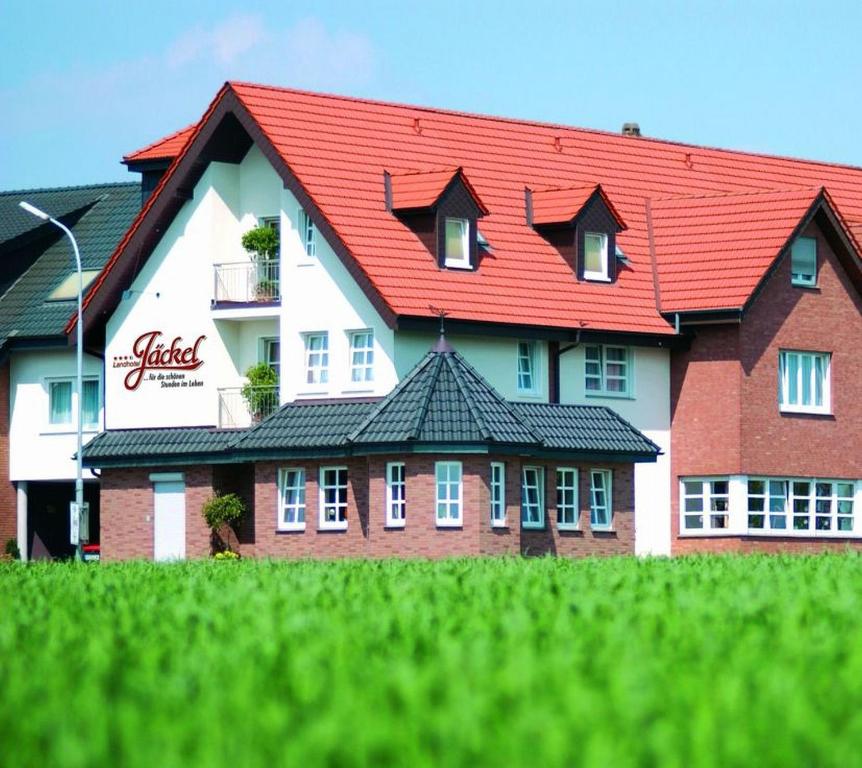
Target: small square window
[[595, 256], [457, 243], [803, 261]]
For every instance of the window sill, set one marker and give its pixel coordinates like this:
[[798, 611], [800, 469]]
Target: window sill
[[291, 529], [799, 284], [500, 526], [306, 262], [570, 528], [597, 529], [614, 395], [459, 525], [802, 410], [533, 526], [395, 525], [329, 527], [594, 277], [532, 395], [313, 393], [458, 265], [358, 391]]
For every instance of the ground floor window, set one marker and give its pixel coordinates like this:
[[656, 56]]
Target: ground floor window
[[498, 494], [567, 498], [600, 499], [533, 497], [291, 499], [333, 498], [396, 495], [705, 504], [448, 480]]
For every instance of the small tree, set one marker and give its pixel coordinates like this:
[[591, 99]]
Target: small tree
[[220, 512], [259, 391], [261, 242]]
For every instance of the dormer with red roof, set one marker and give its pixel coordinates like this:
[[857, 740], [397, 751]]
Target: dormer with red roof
[[583, 224], [442, 209]]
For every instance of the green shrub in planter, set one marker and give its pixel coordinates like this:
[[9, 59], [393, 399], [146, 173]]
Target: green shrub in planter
[[260, 392], [261, 242]]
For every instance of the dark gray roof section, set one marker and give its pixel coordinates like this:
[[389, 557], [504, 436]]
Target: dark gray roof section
[[100, 216], [584, 428], [165, 443], [442, 405]]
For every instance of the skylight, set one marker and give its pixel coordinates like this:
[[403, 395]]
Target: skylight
[[68, 289]]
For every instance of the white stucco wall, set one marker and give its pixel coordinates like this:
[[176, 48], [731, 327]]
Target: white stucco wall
[[39, 450]]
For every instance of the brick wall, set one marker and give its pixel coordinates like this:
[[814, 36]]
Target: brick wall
[[8, 496], [724, 396], [127, 513]]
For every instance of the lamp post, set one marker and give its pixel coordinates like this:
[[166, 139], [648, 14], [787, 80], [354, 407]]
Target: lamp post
[[79, 475]]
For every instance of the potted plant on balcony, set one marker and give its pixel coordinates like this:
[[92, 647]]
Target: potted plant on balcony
[[260, 391], [262, 243]]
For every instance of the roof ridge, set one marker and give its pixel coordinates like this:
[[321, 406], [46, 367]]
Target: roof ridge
[[73, 188], [745, 193], [426, 399], [543, 124]]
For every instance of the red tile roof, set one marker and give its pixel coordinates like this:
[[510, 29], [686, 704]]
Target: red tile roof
[[339, 148], [422, 189], [166, 148], [560, 206]]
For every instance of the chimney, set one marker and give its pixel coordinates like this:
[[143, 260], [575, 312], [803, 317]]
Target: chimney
[[631, 129]]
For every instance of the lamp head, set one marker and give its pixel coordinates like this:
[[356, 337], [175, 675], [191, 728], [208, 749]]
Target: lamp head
[[34, 210]]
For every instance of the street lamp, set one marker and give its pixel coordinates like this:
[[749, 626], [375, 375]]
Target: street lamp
[[79, 476]]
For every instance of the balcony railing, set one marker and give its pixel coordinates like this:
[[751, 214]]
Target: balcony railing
[[244, 406], [247, 282]]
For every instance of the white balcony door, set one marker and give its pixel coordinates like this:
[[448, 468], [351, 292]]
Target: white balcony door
[[169, 527]]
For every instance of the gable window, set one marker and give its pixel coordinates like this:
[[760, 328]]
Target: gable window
[[607, 370], [533, 497], [62, 403], [803, 261], [333, 498], [457, 243], [527, 367], [567, 498], [396, 495], [448, 477], [361, 356], [596, 256], [291, 499], [600, 499], [307, 234], [803, 381], [498, 494], [706, 504], [316, 358]]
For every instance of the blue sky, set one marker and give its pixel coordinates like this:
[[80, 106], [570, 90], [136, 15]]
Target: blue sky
[[83, 83]]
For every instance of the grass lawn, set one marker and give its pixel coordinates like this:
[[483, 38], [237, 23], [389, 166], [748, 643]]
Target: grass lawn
[[614, 662]]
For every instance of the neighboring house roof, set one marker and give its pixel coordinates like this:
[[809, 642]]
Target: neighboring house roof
[[442, 405], [332, 151], [98, 216], [166, 148]]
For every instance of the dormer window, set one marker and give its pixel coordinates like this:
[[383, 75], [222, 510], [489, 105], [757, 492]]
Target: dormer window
[[457, 244], [803, 262], [595, 256]]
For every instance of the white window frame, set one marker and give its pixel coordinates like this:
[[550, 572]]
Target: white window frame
[[396, 503], [603, 275], [464, 261], [317, 370], [298, 507], [528, 519], [267, 344], [497, 488], [307, 235], [567, 482], [448, 503], [608, 490], [710, 498], [784, 358], [531, 361], [803, 279], [365, 368], [604, 376], [339, 507], [72, 423]]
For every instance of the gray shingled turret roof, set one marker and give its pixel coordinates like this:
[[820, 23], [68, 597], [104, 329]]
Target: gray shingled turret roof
[[98, 216], [443, 405]]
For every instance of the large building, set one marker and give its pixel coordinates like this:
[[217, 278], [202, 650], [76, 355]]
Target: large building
[[707, 299]]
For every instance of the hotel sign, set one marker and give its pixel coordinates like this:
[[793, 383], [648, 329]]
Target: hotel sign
[[169, 365]]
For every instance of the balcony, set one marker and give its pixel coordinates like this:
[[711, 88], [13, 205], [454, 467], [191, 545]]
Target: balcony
[[245, 406], [253, 287]]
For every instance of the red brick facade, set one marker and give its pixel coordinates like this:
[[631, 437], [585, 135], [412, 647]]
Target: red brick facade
[[725, 418], [8, 496], [127, 513]]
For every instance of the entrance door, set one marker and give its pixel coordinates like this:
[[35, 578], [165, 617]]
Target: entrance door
[[169, 527]]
